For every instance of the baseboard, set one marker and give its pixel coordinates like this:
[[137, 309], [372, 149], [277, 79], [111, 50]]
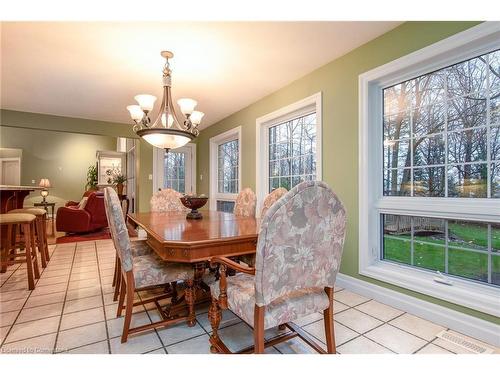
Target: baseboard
[[457, 321]]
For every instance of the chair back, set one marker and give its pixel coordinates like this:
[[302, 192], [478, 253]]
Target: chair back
[[118, 228], [271, 199], [300, 243], [95, 207], [245, 203], [167, 200]]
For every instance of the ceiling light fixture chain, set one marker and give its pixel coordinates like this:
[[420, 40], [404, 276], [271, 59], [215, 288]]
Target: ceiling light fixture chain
[[167, 131]]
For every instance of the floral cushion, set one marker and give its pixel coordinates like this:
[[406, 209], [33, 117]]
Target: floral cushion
[[118, 228], [150, 270], [300, 242], [245, 203], [295, 305], [139, 248], [272, 198], [167, 200]]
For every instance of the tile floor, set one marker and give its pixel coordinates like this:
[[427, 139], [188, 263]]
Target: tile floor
[[71, 310]]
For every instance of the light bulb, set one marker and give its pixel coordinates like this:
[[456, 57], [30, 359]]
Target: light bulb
[[170, 120], [196, 117], [146, 101], [135, 112], [187, 105]]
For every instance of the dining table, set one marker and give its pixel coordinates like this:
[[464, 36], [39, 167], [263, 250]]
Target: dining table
[[174, 238]]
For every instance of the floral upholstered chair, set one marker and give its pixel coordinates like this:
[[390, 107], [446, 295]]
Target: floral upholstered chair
[[142, 271], [245, 203], [298, 256], [167, 200]]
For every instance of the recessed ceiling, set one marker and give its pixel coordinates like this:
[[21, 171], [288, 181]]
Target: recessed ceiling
[[93, 69]]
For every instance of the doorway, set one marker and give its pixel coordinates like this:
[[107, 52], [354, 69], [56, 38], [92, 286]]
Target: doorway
[[175, 169]]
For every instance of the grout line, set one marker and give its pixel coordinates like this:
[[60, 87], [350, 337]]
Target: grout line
[[102, 299]]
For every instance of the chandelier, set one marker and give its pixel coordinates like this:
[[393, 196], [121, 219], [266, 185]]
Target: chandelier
[[168, 131]]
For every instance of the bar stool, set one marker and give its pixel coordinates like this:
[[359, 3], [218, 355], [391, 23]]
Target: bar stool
[[40, 230], [27, 224]]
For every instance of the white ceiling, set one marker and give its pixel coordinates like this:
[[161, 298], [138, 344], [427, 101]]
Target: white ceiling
[[93, 69]]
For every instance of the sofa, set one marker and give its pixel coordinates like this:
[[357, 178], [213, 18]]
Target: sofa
[[92, 217]]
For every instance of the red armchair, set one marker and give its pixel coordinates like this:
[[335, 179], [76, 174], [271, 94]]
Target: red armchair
[[75, 220]]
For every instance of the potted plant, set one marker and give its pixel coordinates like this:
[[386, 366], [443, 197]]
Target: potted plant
[[118, 180], [91, 178]]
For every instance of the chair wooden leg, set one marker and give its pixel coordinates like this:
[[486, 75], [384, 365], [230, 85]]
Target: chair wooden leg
[[173, 287], [215, 316], [118, 271], [115, 274], [328, 319], [36, 270], [128, 307], [258, 329], [123, 291], [29, 259], [39, 240], [45, 241], [189, 295]]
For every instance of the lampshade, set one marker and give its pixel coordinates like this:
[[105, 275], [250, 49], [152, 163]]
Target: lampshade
[[146, 101], [187, 105], [135, 112], [165, 138], [44, 193], [44, 182], [196, 117]]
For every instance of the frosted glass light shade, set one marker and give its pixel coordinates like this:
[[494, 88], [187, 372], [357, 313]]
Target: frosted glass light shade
[[196, 117], [166, 141], [146, 101], [170, 120], [187, 105], [135, 112]]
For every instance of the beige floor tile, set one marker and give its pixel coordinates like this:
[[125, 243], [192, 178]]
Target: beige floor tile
[[111, 310], [179, 332], [295, 346], [417, 326], [197, 345], [342, 334], [157, 351], [47, 289], [9, 296], [115, 326], [82, 304], [379, 310], [7, 318], [107, 280], [228, 318], [308, 319], [433, 349], [34, 328], [339, 307], [13, 305], [45, 299], [52, 280], [80, 336], [362, 345], [107, 272], [96, 348], [84, 269], [136, 344], [395, 339], [108, 299], [349, 298], [237, 337], [81, 318], [84, 276], [35, 345], [40, 312], [357, 321], [78, 284], [12, 286], [83, 293], [3, 332], [54, 273]]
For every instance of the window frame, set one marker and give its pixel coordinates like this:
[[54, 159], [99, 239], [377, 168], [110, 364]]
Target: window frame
[[462, 46], [302, 107], [158, 160], [215, 142]]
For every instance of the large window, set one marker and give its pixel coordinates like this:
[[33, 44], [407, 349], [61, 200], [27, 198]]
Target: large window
[[292, 152], [429, 170], [288, 146], [175, 171], [225, 154]]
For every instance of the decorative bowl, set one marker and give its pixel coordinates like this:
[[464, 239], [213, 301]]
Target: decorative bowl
[[194, 203]]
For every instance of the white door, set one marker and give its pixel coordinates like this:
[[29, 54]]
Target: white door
[[10, 172], [175, 169]]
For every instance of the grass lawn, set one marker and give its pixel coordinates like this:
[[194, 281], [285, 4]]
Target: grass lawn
[[431, 255]]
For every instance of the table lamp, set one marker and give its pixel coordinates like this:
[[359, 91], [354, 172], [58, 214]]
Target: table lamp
[[44, 183]]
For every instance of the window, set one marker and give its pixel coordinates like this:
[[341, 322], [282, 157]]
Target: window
[[225, 176], [429, 186], [292, 152], [289, 146], [175, 169]]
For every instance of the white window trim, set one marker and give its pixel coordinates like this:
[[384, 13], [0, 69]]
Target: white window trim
[[469, 43], [230, 135], [158, 154], [263, 123]]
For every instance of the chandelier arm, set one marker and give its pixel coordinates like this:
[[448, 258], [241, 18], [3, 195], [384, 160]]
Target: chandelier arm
[[157, 123]]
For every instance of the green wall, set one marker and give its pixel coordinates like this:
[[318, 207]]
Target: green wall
[[338, 81], [61, 157], [62, 127]]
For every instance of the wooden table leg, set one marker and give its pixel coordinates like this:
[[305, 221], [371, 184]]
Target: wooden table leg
[[189, 295]]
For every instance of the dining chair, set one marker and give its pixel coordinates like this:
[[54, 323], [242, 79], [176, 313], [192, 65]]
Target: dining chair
[[142, 272], [299, 250], [245, 203], [167, 200]]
